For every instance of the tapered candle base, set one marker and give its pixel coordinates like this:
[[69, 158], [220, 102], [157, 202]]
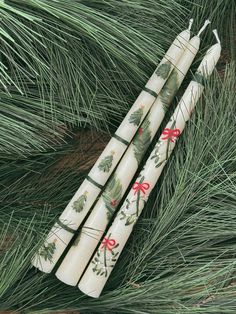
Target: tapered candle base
[[50, 252], [90, 287]]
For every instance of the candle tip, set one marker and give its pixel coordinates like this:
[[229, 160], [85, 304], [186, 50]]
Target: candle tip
[[190, 24], [203, 27], [216, 35]]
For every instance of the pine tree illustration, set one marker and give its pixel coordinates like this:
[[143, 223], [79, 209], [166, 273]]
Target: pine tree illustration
[[48, 250], [106, 163], [169, 90], [112, 195], [136, 116], [142, 140], [163, 70], [78, 205]]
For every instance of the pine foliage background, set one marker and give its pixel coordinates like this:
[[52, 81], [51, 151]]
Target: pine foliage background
[[69, 71]]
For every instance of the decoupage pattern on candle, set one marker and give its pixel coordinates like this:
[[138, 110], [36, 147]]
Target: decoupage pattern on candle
[[142, 140], [48, 250], [79, 204], [163, 70], [136, 117], [170, 89], [122, 226], [112, 195], [106, 256], [102, 213], [106, 163]]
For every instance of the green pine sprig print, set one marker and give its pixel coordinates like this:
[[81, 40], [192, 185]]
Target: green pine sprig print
[[142, 140], [163, 70], [79, 204], [156, 156], [112, 195], [106, 256], [136, 117], [48, 250], [106, 162], [130, 218], [169, 90]]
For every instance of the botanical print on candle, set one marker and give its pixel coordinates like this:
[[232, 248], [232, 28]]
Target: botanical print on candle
[[112, 195], [106, 162], [142, 140], [105, 256], [170, 135], [136, 117], [79, 204], [130, 209], [169, 90], [163, 70], [48, 250]]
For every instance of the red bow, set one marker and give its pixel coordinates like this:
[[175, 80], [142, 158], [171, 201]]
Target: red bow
[[140, 187], [171, 134], [108, 243]]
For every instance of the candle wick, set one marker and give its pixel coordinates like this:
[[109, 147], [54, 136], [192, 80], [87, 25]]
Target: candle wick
[[216, 35], [190, 24], [203, 27]]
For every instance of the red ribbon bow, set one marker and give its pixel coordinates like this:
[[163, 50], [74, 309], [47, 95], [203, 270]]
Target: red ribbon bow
[[171, 134], [108, 243], [140, 187]]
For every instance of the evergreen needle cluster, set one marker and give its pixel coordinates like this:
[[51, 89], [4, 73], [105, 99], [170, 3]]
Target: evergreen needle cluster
[[66, 64]]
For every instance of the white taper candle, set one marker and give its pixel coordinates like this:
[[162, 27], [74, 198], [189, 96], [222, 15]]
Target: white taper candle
[[112, 244], [75, 212], [81, 251]]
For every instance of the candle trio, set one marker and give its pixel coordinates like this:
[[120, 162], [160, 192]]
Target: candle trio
[[145, 117]]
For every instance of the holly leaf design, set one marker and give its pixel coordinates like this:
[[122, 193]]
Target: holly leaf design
[[79, 204], [112, 195], [47, 251], [136, 116], [142, 140], [106, 163], [163, 70], [169, 90]]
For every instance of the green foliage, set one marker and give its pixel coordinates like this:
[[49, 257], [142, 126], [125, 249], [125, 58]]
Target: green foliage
[[142, 140], [78, 205], [47, 251], [106, 163], [80, 63], [112, 195], [163, 70], [136, 116], [169, 90]]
